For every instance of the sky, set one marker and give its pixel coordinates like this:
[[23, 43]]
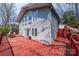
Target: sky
[[18, 6]]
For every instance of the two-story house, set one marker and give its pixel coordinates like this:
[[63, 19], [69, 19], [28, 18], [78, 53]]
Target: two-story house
[[38, 21]]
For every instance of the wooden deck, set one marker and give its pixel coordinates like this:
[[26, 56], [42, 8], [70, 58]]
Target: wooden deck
[[21, 46]]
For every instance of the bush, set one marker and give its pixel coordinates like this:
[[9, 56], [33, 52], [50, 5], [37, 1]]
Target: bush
[[5, 30], [1, 30]]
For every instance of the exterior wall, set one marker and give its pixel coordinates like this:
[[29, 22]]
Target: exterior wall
[[43, 25], [43, 35], [54, 28]]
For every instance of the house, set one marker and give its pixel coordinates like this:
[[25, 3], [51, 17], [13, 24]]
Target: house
[[38, 21]]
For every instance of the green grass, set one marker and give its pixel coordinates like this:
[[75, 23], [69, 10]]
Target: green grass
[[4, 30]]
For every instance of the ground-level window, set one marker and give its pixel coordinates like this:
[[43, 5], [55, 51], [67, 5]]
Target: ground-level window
[[27, 32], [34, 31]]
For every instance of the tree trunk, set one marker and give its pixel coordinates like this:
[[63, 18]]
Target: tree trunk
[[1, 37], [76, 9]]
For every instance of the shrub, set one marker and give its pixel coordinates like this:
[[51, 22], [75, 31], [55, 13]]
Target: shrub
[[5, 30]]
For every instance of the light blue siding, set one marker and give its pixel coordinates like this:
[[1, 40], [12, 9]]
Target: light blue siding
[[38, 13], [45, 23]]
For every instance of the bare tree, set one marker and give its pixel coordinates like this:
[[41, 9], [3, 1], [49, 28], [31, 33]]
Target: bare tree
[[7, 12], [77, 12]]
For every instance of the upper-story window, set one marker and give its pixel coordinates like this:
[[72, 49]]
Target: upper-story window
[[25, 18], [35, 15], [29, 18]]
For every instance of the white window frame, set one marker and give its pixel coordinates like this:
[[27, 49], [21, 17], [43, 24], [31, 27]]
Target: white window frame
[[35, 13], [34, 31]]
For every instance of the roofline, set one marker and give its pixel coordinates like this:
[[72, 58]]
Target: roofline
[[55, 14], [23, 11]]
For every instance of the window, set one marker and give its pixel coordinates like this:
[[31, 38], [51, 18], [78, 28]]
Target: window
[[27, 32], [29, 18], [34, 31], [25, 19], [35, 15]]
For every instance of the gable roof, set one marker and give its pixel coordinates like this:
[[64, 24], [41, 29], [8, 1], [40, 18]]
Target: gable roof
[[33, 6]]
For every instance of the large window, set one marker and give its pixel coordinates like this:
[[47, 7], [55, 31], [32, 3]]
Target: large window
[[34, 31], [29, 18], [27, 32], [35, 15]]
